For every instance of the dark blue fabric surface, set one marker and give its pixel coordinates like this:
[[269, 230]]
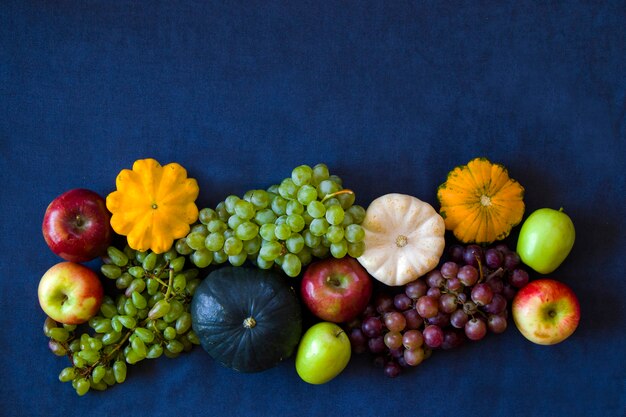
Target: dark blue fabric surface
[[391, 95]]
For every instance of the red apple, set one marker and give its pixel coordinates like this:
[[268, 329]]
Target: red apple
[[546, 311], [70, 293], [336, 290], [76, 225]]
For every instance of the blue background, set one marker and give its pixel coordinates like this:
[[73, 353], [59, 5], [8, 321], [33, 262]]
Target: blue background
[[391, 95]]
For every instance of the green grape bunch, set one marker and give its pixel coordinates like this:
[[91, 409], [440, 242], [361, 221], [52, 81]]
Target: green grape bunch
[[150, 317], [308, 214]]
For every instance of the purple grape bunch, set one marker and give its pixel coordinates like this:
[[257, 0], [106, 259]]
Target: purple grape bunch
[[465, 298]]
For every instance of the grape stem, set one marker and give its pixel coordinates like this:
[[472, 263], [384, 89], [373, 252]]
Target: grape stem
[[480, 268], [336, 193], [160, 281], [482, 313], [106, 359], [66, 346], [157, 273], [498, 272], [169, 285], [156, 276], [85, 372]]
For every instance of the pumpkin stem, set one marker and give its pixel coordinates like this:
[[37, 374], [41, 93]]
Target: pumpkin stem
[[336, 193], [401, 241], [485, 200], [249, 322]]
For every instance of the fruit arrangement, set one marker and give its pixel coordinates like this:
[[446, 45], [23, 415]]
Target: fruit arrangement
[[383, 279]]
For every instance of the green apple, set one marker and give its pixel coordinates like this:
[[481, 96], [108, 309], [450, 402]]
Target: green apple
[[323, 353], [545, 239]]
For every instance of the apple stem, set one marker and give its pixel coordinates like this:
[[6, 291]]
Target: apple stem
[[332, 281], [79, 220]]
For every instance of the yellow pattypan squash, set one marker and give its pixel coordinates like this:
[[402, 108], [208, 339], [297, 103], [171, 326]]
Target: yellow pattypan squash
[[153, 204]]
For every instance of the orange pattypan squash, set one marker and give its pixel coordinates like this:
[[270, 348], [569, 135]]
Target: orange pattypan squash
[[480, 203], [153, 205]]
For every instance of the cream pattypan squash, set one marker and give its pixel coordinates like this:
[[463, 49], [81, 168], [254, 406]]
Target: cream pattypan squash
[[404, 239]]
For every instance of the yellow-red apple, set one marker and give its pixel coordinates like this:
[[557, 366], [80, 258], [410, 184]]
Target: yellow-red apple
[[546, 311], [70, 293]]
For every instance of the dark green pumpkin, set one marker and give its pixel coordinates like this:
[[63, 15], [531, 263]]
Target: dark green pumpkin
[[247, 319]]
